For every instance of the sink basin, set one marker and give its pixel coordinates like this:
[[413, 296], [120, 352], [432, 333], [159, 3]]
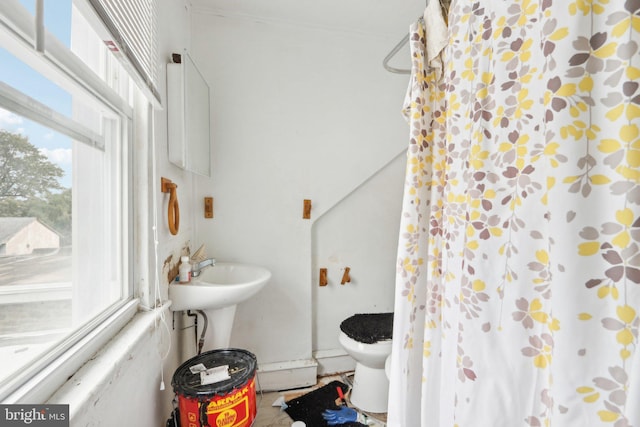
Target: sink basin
[[223, 285]]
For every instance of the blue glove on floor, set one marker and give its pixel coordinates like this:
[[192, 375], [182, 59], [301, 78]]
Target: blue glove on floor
[[340, 416]]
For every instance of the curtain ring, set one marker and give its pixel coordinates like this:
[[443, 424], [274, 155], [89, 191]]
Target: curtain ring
[[173, 212]]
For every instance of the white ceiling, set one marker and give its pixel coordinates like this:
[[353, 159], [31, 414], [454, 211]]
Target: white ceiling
[[377, 17]]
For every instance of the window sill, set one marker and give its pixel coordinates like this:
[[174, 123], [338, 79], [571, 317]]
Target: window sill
[[93, 378]]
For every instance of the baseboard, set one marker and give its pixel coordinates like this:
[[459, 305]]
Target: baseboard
[[287, 375], [333, 361], [303, 373]]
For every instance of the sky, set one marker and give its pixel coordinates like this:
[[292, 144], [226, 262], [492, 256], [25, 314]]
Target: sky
[[55, 146]]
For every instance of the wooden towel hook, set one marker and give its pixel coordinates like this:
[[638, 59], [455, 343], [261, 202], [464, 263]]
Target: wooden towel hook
[[306, 209], [173, 213], [323, 277], [345, 276]]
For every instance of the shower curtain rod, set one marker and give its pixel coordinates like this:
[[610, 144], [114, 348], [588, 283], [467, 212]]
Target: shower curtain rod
[[395, 50], [385, 62]]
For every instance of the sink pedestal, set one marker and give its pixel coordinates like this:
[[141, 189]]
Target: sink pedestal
[[220, 323]]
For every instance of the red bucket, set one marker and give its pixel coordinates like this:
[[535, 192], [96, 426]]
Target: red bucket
[[227, 403]]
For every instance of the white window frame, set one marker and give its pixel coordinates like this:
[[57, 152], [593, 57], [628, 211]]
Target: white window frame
[[18, 35]]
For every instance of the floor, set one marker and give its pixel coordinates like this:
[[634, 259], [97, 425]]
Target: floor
[[270, 413], [271, 416]]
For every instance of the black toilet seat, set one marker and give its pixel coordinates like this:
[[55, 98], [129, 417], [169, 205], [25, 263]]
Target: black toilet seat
[[368, 328]]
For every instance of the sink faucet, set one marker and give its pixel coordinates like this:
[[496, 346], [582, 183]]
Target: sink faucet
[[197, 267]]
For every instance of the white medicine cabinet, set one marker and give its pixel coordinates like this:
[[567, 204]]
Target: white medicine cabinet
[[188, 109]]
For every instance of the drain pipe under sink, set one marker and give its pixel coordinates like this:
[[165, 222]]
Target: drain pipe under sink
[[204, 327]]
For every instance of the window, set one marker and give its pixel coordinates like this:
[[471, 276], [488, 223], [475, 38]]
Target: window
[[65, 154]]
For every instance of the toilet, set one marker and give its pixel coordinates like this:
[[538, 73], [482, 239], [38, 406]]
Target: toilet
[[367, 339]]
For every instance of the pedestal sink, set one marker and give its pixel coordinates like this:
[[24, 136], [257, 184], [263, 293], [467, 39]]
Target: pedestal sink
[[217, 291]]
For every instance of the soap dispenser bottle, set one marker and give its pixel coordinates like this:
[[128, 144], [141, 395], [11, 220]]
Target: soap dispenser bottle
[[184, 272]]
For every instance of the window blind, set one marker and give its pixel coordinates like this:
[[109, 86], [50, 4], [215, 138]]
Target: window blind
[[132, 23]]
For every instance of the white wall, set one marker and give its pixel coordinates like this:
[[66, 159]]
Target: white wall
[[360, 232], [301, 113]]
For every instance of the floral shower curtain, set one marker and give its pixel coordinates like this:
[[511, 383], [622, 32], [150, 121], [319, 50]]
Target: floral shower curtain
[[518, 275]]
